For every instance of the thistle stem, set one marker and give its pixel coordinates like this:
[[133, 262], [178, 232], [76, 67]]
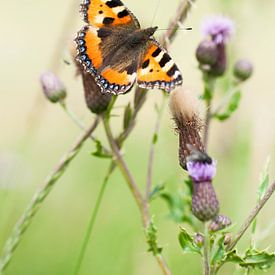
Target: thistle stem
[[206, 251], [38, 198]]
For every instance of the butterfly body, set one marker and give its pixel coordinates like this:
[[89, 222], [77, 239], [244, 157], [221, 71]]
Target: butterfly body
[[117, 52]]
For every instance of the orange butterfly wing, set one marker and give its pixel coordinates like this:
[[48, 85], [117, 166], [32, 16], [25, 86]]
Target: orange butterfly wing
[[89, 54], [158, 70], [102, 13]]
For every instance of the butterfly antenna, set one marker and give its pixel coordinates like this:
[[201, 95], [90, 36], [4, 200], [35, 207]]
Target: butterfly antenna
[[155, 12]]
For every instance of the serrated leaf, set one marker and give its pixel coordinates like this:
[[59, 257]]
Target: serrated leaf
[[100, 152], [231, 107], [127, 116], [233, 257], [187, 243], [258, 259], [151, 234]]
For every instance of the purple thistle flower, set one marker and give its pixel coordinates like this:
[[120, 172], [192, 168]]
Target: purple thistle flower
[[219, 28], [201, 171]]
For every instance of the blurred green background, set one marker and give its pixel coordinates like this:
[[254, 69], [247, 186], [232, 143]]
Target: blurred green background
[[35, 133]]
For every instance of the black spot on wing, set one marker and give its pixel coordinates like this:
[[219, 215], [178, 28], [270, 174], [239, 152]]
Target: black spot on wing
[[145, 64], [165, 59], [172, 70], [108, 20], [123, 14], [114, 3], [156, 52]]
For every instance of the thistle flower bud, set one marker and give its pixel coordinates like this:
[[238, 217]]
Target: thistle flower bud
[[201, 169], [52, 86], [207, 52], [227, 239], [219, 223], [243, 69], [219, 68], [96, 101], [199, 240], [185, 114]]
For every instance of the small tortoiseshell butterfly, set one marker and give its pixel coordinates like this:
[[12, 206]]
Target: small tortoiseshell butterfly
[[117, 52]]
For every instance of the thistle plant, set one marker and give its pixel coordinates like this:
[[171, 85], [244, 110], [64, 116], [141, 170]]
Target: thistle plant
[[198, 206]]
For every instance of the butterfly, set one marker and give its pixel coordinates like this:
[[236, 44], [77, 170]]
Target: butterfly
[[117, 52]]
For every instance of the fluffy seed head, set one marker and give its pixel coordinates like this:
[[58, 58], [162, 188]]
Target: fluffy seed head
[[184, 109]]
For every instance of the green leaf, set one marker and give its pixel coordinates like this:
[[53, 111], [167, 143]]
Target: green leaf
[[231, 107], [156, 192], [179, 207], [187, 243], [151, 234], [128, 113], [220, 252], [262, 189], [258, 259], [264, 181], [100, 152]]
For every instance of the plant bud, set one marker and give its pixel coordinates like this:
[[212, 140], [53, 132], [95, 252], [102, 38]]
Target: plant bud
[[199, 240], [95, 100], [220, 66], [205, 205], [219, 223], [52, 87], [227, 239], [202, 169], [243, 69], [185, 114], [207, 52]]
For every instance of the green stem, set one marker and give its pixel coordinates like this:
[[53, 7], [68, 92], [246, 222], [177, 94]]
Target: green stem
[[38, 198], [206, 251], [92, 220]]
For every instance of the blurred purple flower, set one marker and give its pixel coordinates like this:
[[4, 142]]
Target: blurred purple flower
[[219, 28], [201, 171]]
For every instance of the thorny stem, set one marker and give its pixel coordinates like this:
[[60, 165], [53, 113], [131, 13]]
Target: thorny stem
[[252, 216], [27, 217], [125, 170], [93, 219], [206, 251], [152, 147]]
